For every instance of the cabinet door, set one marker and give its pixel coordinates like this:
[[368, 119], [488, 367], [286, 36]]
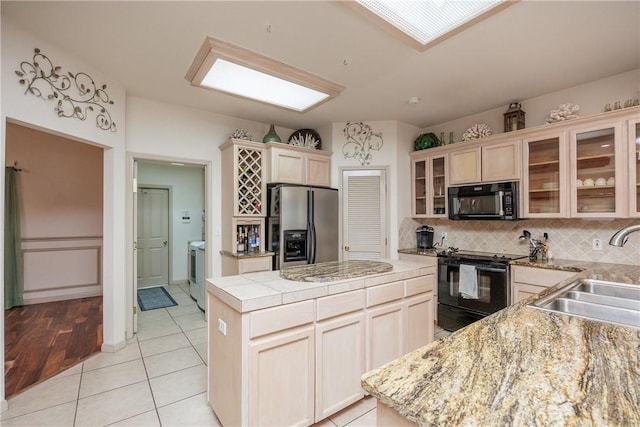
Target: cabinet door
[[501, 162], [385, 336], [545, 184], [318, 170], [281, 379], [340, 362], [419, 316], [633, 141], [523, 291], [465, 166], [438, 186], [597, 174], [287, 166], [419, 187]]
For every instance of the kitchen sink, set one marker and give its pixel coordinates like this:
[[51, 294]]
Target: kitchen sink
[[610, 302]]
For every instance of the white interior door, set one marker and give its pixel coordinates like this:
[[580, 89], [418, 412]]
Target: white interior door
[[153, 237], [364, 214]]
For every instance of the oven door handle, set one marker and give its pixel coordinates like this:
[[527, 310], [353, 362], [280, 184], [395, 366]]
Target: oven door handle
[[492, 269], [477, 266]]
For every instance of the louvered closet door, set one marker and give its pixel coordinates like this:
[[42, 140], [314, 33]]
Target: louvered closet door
[[364, 206]]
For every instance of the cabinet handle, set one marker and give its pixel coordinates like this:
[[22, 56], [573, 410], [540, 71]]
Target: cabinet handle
[[346, 248], [164, 243]]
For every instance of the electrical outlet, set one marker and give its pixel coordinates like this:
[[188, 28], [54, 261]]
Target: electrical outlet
[[444, 235], [597, 244], [222, 327]]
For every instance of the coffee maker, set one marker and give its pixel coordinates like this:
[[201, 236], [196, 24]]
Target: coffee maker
[[424, 237]]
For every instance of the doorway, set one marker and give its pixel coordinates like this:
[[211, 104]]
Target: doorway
[[364, 214]]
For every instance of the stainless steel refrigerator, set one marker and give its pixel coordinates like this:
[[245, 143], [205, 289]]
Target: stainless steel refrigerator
[[302, 227]]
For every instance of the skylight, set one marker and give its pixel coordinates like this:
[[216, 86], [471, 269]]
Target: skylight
[[240, 72], [429, 22]]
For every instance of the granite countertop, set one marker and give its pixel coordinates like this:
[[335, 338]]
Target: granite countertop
[[246, 254], [522, 366], [416, 251], [264, 289], [336, 270]]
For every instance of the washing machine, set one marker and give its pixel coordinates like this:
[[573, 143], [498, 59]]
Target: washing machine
[[200, 272], [194, 266]]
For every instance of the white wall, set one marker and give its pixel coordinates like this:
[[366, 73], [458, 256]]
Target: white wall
[[18, 46], [591, 97], [187, 194], [393, 156]]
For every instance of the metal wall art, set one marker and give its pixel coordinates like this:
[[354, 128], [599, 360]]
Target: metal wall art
[[360, 141], [77, 94]]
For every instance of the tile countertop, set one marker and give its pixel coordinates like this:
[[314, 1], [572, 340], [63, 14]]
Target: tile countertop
[[522, 366], [255, 291]]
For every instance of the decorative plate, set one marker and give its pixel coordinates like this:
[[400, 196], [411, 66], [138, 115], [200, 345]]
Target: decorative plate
[[426, 140], [308, 138]]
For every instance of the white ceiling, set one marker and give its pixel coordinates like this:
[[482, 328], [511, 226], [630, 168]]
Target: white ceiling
[[530, 49]]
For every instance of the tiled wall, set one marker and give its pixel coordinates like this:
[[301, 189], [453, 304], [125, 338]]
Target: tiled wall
[[568, 238]]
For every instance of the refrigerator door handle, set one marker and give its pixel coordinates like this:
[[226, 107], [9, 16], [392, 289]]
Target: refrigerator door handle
[[312, 228]]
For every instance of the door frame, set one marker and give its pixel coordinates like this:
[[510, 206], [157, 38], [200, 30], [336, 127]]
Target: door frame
[[169, 189], [131, 323], [341, 170]]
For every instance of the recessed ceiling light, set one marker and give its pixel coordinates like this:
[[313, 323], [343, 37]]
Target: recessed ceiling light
[[413, 100], [424, 24], [231, 69]]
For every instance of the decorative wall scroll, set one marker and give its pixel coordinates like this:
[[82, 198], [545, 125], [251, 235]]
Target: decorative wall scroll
[[76, 94], [360, 141]]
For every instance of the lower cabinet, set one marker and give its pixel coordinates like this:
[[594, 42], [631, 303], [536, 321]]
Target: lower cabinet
[[385, 334], [297, 364], [340, 362], [528, 281], [273, 399]]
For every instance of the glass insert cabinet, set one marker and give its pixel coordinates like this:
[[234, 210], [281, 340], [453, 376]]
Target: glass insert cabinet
[[429, 189], [597, 171], [634, 167], [545, 176]]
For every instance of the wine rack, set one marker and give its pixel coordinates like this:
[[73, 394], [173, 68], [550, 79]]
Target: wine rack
[[249, 179]]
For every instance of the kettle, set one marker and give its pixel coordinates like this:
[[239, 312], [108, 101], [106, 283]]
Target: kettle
[[424, 237]]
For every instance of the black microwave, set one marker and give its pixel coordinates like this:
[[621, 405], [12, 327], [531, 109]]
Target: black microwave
[[484, 201]]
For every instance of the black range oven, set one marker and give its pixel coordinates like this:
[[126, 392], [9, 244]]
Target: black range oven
[[483, 290]]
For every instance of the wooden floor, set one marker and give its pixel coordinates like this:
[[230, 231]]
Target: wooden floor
[[44, 339]]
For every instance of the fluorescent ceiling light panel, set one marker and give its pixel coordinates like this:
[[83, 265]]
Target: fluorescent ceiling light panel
[[237, 71], [429, 22]]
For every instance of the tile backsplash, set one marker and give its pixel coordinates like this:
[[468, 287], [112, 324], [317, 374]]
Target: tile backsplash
[[568, 238]]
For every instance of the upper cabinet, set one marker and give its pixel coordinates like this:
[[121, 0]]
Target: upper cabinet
[[597, 170], [429, 185], [485, 163], [545, 176], [634, 166], [243, 162], [297, 165]]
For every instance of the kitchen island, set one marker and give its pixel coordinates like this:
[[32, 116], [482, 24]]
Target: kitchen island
[[292, 352], [520, 366]]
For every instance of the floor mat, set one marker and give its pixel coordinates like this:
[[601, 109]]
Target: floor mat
[[153, 298]]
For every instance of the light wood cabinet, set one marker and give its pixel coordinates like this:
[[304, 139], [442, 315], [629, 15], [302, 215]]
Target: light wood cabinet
[[385, 335], [296, 165], [429, 186], [465, 166], [233, 264], [273, 400], [545, 176], [528, 281], [243, 177], [340, 362], [485, 163], [298, 363], [419, 321], [633, 152], [501, 161], [597, 170]]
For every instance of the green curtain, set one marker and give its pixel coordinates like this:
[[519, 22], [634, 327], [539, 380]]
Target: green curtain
[[13, 268]]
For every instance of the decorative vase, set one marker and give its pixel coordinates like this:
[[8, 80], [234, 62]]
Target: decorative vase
[[271, 136]]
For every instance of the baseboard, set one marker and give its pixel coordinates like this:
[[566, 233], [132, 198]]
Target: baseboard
[[179, 282], [112, 348], [64, 294]]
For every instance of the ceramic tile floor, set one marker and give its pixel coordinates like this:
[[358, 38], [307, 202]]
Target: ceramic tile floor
[[158, 379]]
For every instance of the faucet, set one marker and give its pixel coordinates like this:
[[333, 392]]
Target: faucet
[[621, 236]]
